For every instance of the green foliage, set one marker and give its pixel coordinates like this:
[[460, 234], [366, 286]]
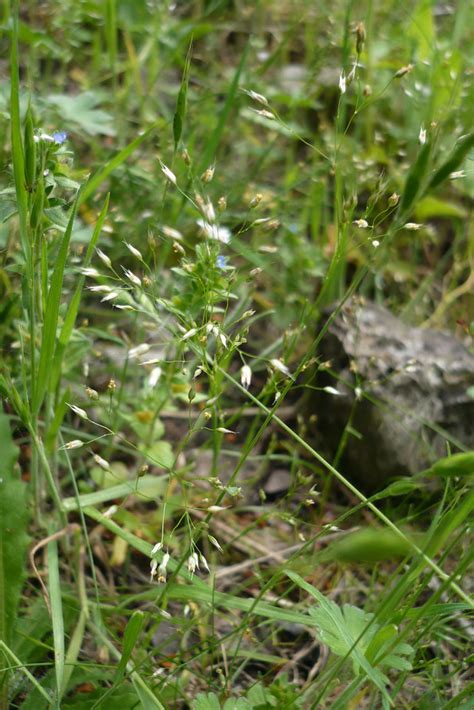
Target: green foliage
[[81, 112], [278, 694], [14, 518], [352, 633], [369, 545]]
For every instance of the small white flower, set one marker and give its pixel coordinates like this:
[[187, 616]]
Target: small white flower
[[139, 350], [189, 333], [80, 412], [332, 390], [133, 250], [214, 542], [156, 548], [422, 136], [154, 376], [375, 243], [361, 223], [220, 234], [172, 233], [109, 297], [208, 211], [265, 114], [168, 173], [153, 568], [259, 98], [280, 366], [191, 563], [101, 288], [208, 174], [104, 258], [132, 277], [162, 568], [245, 376], [203, 561], [74, 444], [413, 226], [102, 462], [342, 83], [223, 339]]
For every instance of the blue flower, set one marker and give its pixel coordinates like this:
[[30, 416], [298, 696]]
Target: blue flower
[[221, 262], [60, 137]]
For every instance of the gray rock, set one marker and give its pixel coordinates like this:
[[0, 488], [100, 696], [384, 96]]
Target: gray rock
[[412, 386]]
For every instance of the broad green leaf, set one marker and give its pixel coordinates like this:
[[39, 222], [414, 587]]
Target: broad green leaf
[[431, 206], [461, 464], [368, 545], [13, 539], [81, 111], [160, 454], [347, 632]]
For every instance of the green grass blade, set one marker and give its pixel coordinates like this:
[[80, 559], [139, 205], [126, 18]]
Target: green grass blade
[[16, 134], [73, 309], [54, 584], [180, 111], [102, 174], [461, 149], [415, 180], [211, 148], [147, 486], [53, 302], [130, 638]]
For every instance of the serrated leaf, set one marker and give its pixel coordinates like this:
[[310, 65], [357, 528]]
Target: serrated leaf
[[206, 701], [82, 111], [350, 631], [160, 454]]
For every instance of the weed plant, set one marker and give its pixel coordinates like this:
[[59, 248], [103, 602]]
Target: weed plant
[[190, 194]]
